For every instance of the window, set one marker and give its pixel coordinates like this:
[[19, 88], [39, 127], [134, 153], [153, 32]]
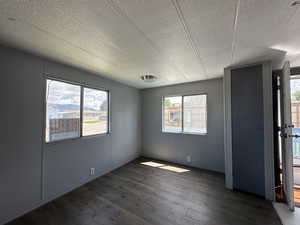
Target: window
[[95, 112], [185, 114], [64, 111]]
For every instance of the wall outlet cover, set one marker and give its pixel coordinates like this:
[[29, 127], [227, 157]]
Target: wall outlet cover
[[92, 171], [188, 158]]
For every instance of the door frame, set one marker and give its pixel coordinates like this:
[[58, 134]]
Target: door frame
[[268, 127], [277, 73], [286, 141]]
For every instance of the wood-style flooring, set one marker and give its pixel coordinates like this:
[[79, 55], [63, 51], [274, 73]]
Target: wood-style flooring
[[154, 194]]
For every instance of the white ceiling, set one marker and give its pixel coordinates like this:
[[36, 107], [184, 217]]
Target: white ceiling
[[176, 40]]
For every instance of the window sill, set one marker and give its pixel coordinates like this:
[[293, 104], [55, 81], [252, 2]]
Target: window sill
[[78, 138], [96, 135], [185, 133]]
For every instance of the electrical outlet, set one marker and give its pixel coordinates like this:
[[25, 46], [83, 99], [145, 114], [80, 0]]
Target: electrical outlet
[[92, 171], [188, 158]]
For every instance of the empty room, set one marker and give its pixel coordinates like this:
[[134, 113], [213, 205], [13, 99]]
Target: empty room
[[149, 112]]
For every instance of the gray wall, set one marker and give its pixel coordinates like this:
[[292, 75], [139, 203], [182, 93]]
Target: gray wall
[[33, 172], [207, 151]]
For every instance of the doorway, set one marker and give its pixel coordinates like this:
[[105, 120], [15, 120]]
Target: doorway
[[295, 109], [282, 134]]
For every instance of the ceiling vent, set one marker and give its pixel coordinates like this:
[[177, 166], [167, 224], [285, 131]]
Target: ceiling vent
[[295, 3], [148, 78]]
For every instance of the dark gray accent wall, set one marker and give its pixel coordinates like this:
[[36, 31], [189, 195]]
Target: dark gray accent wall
[[33, 172], [248, 129], [206, 151]]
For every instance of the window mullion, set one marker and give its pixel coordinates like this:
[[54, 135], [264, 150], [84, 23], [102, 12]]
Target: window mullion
[[108, 129], [182, 115], [81, 109]]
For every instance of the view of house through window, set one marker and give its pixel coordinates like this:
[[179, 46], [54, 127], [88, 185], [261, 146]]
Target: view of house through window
[[95, 112], [172, 114], [194, 114], [63, 111], [187, 114]]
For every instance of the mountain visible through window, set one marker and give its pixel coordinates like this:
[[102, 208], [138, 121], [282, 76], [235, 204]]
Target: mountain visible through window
[[95, 112]]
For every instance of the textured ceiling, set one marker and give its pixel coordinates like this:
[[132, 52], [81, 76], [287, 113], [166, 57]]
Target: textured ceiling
[[176, 40]]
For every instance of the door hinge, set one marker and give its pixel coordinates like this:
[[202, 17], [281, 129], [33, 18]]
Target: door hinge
[[288, 125], [283, 135]]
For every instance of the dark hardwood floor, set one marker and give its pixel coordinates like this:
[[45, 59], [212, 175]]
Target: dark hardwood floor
[[154, 195]]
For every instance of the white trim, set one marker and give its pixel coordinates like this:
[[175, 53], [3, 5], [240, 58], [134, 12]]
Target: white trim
[[268, 131], [227, 128]]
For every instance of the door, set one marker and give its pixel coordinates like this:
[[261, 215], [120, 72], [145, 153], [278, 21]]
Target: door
[[286, 136], [247, 124]]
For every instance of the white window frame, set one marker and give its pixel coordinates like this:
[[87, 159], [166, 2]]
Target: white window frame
[[182, 115], [82, 86]]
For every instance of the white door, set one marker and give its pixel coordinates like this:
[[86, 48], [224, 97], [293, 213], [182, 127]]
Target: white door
[[286, 134]]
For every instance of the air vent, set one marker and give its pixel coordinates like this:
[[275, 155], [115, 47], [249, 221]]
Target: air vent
[[148, 78], [295, 3]]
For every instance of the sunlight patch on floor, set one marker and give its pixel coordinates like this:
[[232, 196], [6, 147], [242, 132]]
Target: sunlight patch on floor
[[153, 164], [174, 169], [165, 167]]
